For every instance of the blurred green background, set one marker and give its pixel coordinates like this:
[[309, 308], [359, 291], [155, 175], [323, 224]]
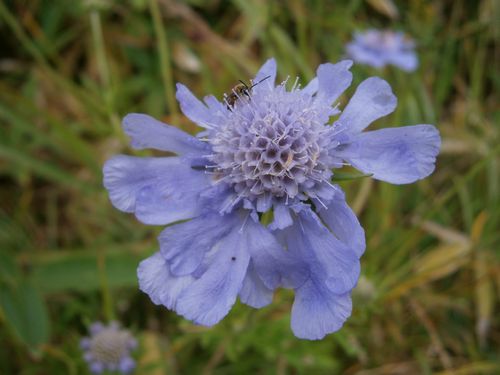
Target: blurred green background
[[428, 298]]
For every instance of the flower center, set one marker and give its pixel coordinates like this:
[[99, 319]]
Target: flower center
[[109, 345], [271, 144]]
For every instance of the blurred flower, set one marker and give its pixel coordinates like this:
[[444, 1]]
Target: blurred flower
[[108, 348], [380, 48], [257, 189]]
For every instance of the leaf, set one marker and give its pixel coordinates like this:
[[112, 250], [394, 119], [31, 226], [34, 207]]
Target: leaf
[[78, 270], [346, 176], [436, 264], [443, 260], [26, 314], [19, 159], [9, 272]]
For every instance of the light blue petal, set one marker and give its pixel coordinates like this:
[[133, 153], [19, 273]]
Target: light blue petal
[[85, 343], [212, 295], [406, 60], [343, 223], [312, 87], [372, 100], [96, 327], [194, 109], [268, 69], [275, 266], [156, 280], [333, 80], [126, 365], [330, 261], [160, 205], [264, 202], [147, 132], [253, 291], [215, 106], [184, 245], [323, 191], [150, 187], [125, 176], [396, 155], [282, 217], [316, 311], [216, 197], [96, 367], [363, 55]]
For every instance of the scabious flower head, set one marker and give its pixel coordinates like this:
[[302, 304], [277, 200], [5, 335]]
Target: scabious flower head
[[255, 193], [108, 348], [379, 48]]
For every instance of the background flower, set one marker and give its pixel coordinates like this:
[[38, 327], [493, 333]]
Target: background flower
[[108, 348], [379, 48]]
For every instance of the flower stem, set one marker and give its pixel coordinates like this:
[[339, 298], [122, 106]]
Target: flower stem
[[165, 60], [107, 301]]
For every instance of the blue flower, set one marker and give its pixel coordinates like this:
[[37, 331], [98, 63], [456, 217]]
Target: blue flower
[[380, 48], [255, 195], [108, 348]]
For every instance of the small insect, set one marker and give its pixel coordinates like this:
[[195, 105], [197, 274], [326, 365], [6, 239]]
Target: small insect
[[238, 91]]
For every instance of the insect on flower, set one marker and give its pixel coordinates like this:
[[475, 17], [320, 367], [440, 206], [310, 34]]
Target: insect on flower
[[240, 90]]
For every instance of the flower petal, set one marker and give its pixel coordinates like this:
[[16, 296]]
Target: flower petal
[[193, 108], [333, 80], [373, 99], [344, 224], [147, 132], [282, 217], [156, 280], [126, 365], [316, 311], [363, 55], [272, 263], [268, 69], [330, 261], [161, 205], [213, 294], [125, 176], [406, 60], [312, 87], [396, 155], [253, 291], [184, 245], [215, 106], [97, 367], [150, 187]]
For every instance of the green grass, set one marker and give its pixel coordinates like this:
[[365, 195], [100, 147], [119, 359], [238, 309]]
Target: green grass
[[428, 299]]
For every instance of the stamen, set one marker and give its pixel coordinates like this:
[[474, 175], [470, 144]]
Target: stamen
[[321, 202], [244, 222]]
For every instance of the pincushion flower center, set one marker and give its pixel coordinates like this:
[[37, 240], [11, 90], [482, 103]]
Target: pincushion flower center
[[109, 346], [270, 144]]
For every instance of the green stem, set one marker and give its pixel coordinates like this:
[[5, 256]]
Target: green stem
[[165, 59], [103, 68], [107, 301]]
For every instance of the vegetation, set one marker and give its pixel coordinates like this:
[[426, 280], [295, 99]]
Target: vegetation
[[428, 299]]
